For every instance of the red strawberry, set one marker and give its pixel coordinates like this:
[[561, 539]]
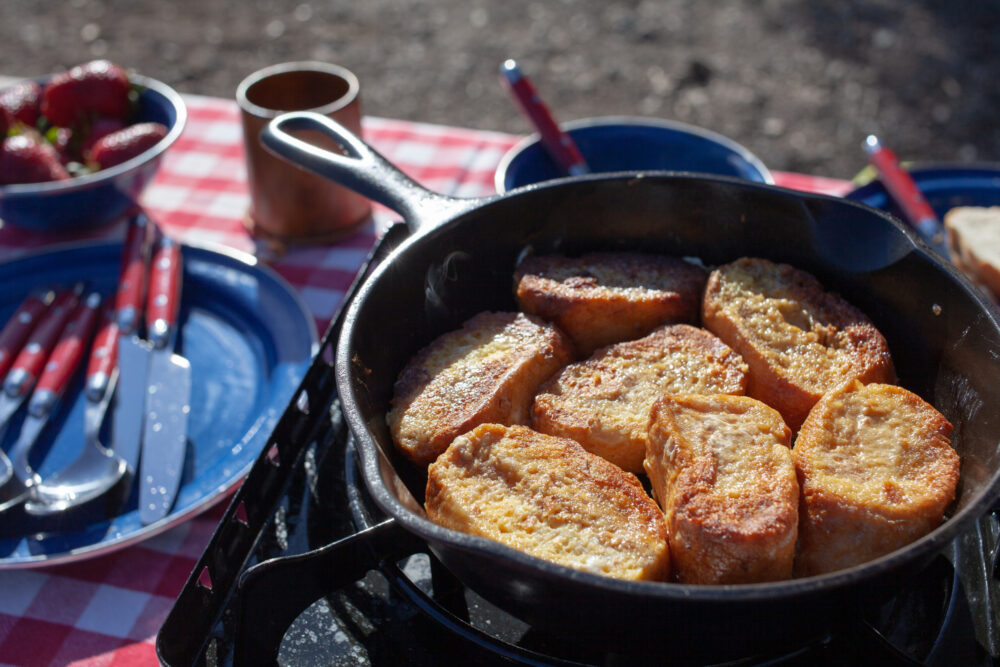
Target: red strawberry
[[23, 101], [97, 88], [125, 144], [99, 129], [25, 159], [6, 120]]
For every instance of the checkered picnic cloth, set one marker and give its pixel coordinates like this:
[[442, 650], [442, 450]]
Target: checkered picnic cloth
[[107, 610]]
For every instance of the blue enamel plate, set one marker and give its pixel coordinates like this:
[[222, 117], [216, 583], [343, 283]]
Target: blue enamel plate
[[249, 340], [944, 186]]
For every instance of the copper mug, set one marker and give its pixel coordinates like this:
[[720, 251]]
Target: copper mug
[[287, 203]]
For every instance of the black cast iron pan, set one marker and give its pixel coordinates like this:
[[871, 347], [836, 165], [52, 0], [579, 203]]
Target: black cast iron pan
[[944, 335]]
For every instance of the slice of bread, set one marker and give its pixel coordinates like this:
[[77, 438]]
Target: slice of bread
[[974, 242], [798, 340], [550, 498], [604, 298], [876, 471], [722, 470], [487, 371], [603, 403]]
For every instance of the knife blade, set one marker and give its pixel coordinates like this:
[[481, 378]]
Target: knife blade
[[164, 439], [133, 352], [56, 375]]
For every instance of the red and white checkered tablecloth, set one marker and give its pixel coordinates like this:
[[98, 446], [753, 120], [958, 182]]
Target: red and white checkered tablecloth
[[107, 610]]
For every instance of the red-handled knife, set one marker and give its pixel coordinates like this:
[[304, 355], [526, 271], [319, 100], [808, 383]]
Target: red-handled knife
[[164, 440], [133, 352], [20, 326], [56, 373]]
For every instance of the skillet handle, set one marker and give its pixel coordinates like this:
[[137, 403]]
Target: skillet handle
[[361, 168]]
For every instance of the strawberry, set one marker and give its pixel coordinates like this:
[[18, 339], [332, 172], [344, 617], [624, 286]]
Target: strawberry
[[26, 159], [99, 129], [125, 144], [6, 121], [22, 101], [97, 88]]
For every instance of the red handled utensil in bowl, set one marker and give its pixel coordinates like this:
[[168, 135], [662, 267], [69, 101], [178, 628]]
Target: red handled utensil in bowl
[[904, 191], [559, 144]]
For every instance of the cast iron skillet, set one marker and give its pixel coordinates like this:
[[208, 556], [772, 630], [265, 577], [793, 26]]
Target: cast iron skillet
[[944, 336]]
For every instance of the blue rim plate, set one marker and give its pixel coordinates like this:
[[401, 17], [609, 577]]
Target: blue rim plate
[[943, 185], [249, 339]]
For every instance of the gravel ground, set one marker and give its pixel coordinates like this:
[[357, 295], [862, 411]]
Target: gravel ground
[[799, 83]]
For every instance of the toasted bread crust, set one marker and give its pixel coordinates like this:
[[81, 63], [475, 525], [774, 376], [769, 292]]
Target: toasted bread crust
[[798, 340], [974, 242], [550, 498], [603, 403], [604, 298], [487, 371], [876, 471], [722, 470]]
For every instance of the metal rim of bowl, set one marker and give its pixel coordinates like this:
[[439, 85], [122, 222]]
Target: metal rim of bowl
[[640, 121]]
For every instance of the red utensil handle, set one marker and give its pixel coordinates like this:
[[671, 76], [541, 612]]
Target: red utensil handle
[[902, 188], [20, 325], [164, 292], [131, 280], [31, 360], [68, 352], [559, 144], [103, 354]]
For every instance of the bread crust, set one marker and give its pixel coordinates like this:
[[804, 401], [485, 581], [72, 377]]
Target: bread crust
[[876, 471], [798, 340], [974, 243], [487, 371], [550, 498], [603, 403], [607, 297], [722, 470]]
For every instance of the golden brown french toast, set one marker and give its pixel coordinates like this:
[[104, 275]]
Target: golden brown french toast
[[798, 340], [550, 498], [876, 471], [974, 242], [603, 403], [487, 371], [722, 470], [608, 297]]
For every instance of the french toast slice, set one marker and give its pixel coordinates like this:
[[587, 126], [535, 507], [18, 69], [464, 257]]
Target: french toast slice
[[486, 372], [603, 403], [974, 243], [876, 471], [721, 468], [607, 297], [550, 498], [798, 340]]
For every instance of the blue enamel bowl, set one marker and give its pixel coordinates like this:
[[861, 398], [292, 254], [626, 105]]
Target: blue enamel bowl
[[90, 201], [945, 186], [624, 143]]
